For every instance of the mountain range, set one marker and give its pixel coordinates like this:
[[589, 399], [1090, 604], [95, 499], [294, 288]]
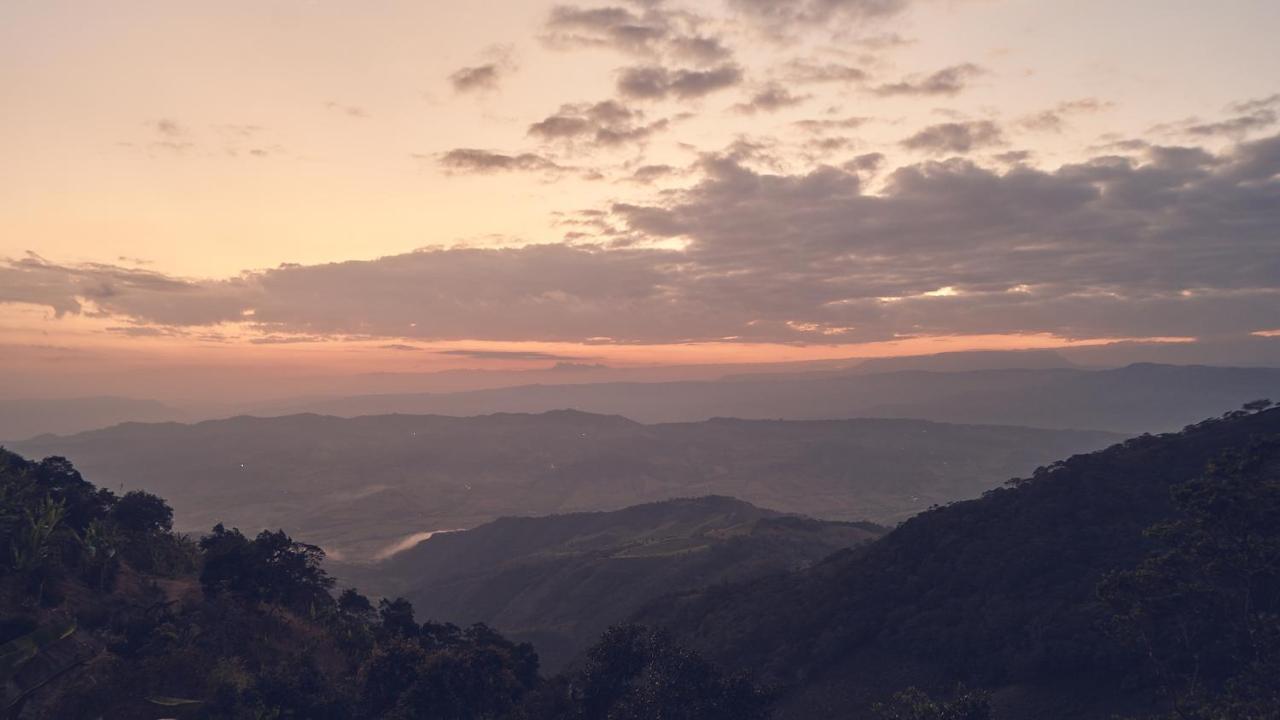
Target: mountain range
[[1132, 399], [360, 486]]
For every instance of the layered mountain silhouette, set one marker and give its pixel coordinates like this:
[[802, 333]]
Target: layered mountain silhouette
[[360, 486], [22, 418], [559, 581], [1136, 398]]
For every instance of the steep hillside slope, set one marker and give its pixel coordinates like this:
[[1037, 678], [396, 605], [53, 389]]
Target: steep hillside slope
[[560, 581], [1000, 591]]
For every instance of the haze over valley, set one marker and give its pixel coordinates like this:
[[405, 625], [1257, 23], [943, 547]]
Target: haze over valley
[[640, 360]]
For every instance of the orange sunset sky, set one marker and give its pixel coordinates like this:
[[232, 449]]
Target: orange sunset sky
[[199, 193]]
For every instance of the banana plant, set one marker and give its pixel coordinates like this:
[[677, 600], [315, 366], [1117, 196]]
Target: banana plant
[[31, 546], [19, 651]]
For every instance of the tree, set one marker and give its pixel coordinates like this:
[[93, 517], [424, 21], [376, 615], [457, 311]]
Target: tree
[[141, 513], [397, 617], [356, 605], [634, 673], [1204, 607], [271, 568]]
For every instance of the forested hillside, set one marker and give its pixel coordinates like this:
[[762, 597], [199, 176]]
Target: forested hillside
[[559, 581], [105, 612], [1031, 590]]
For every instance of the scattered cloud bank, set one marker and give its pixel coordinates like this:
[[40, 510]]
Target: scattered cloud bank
[[1179, 242]]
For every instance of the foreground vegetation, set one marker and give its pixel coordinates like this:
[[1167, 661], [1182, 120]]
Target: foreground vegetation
[[108, 613], [1047, 586]]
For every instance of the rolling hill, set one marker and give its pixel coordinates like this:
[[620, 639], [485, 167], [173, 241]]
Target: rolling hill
[[358, 486], [559, 581]]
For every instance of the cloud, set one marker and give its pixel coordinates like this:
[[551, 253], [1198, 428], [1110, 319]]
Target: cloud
[[169, 128], [955, 137], [654, 82], [783, 17], [1251, 115], [607, 124], [1178, 242], [474, 160], [512, 355], [822, 125], [808, 73], [479, 77], [1055, 119], [614, 27], [651, 31], [699, 50], [948, 81], [399, 347], [485, 76], [652, 173], [770, 98]]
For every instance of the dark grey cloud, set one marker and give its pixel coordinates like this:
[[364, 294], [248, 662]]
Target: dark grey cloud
[[699, 50], [1180, 241], [1242, 119], [1015, 157], [399, 347], [821, 125], [809, 72], [512, 355], [782, 17], [607, 124], [97, 289], [649, 30], [478, 77], [948, 81], [1250, 116], [1056, 119], [614, 27], [652, 173], [770, 98], [474, 160], [955, 137], [499, 62], [144, 331], [865, 163], [654, 82]]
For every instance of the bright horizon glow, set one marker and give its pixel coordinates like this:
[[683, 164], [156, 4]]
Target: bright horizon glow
[[282, 185]]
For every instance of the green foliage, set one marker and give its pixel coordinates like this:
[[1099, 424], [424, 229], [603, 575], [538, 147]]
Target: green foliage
[[271, 568], [19, 651], [1204, 606], [31, 544], [634, 673], [141, 513], [1003, 591]]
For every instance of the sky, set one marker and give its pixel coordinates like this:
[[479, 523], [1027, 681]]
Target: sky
[[285, 186]]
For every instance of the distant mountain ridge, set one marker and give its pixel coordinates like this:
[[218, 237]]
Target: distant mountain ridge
[[23, 418], [359, 485], [1136, 398], [558, 581]]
